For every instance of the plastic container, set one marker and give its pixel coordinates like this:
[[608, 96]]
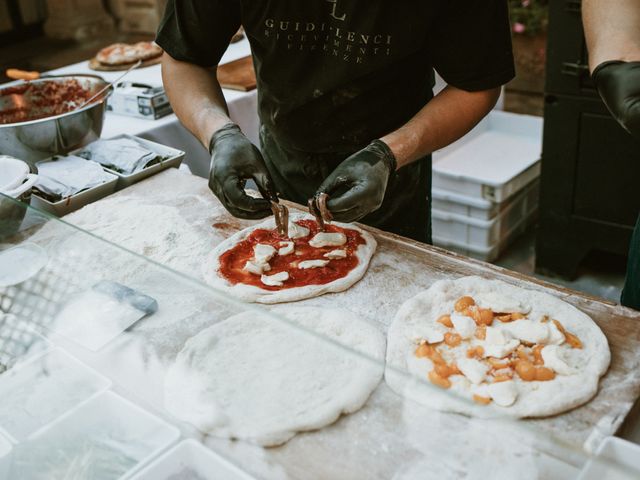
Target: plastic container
[[485, 253], [173, 156], [613, 452], [79, 200], [468, 206], [106, 437], [481, 233], [191, 459], [36, 393], [498, 158]]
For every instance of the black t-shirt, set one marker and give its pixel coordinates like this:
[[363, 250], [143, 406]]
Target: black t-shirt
[[335, 74]]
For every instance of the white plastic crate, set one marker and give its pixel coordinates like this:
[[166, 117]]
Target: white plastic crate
[[494, 161], [487, 254], [468, 206], [485, 233]]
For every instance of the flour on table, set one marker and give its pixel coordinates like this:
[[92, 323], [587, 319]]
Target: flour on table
[[256, 378], [154, 231]]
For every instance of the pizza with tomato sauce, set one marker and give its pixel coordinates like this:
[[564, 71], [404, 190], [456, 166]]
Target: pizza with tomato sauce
[[259, 264]]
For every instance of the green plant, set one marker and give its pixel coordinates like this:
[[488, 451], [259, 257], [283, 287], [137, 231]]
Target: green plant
[[528, 17]]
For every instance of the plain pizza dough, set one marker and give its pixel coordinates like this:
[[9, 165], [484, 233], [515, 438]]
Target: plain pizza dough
[[407, 374], [251, 293], [261, 379]]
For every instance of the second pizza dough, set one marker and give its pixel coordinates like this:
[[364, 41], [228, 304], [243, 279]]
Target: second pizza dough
[[256, 378]]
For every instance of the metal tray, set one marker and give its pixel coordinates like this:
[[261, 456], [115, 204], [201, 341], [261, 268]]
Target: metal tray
[[174, 159], [77, 201]]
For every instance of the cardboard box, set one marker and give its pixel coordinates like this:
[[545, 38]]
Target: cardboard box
[[139, 100]]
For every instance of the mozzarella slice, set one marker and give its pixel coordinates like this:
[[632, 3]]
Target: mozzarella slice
[[465, 326], [474, 370], [495, 336], [256, 268], [500, 351], [328, 239], [336, 254], [553, 358], [306, 264], [501, 303], [275, 280], [503, 393], [528, 331], [285, 248], [263, 253], [297, 231], [433, 334]]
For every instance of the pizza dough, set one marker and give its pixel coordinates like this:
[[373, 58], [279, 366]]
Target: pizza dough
[[257, 378], [251, 293], [417, 318], [124, 53]]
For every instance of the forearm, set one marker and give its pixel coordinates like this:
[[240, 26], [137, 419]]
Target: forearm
[[612, 30], [195, 96], [445, 119]]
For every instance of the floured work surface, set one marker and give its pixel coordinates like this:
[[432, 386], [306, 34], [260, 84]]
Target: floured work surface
[[390, 435]]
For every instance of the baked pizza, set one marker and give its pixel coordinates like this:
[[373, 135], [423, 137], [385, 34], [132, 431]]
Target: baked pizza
[[124, 53], [265, 264], [491, 348]]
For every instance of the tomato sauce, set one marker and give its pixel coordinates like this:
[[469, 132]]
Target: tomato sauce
[[233, 261], [45, 99]]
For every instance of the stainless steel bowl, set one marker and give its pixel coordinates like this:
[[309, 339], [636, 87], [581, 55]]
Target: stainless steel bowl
[[36, 139]]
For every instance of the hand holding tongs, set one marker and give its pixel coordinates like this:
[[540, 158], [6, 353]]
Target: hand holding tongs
[[281, 213], [318, 208]]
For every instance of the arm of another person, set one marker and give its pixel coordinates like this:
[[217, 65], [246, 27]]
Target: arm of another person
[[612, 31]]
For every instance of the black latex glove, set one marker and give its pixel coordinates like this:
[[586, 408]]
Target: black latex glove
[[356, 187], [234, 160], [619, 86]]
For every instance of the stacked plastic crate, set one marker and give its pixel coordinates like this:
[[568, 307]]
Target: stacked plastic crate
[[485, 186]]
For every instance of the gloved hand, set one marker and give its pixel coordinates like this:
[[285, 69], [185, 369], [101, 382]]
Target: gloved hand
[[234, 159], [357, 186], [619, 86]]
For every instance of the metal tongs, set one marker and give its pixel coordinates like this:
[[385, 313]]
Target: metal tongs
[[281, 213], [318, 208]]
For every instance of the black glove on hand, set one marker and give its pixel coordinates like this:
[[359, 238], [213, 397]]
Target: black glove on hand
[[234, 159], [619, 86], [356, 187]]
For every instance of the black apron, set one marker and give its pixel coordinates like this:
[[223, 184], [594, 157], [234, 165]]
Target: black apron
[[406, 209], [631, 291]]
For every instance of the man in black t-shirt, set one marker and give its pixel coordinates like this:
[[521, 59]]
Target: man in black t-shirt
[[344, 95]]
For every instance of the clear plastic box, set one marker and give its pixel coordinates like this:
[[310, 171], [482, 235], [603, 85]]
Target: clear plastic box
[[190, 459]]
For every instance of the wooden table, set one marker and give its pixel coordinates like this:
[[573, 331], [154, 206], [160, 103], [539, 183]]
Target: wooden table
[[389, 435]]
